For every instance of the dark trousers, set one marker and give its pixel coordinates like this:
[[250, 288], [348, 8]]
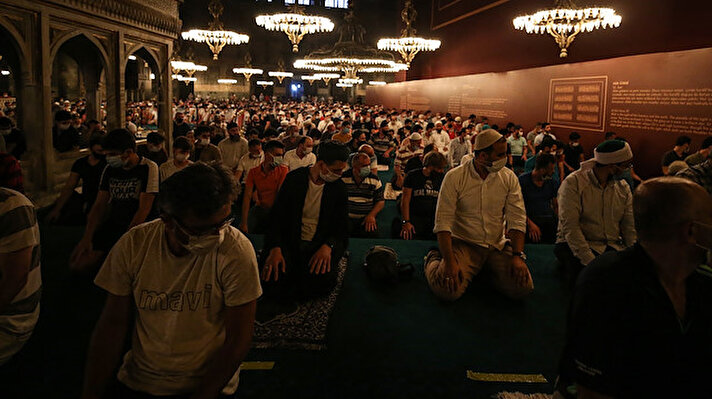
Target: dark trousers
[[258, 220], [358, 230], [570, 263], [297, 281]]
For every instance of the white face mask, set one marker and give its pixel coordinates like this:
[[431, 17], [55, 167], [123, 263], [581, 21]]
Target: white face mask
[[497, 165], [329, 177], [64, 126], [5, 132], [204, 141], [180, 157], [308, 150], [277, 161]]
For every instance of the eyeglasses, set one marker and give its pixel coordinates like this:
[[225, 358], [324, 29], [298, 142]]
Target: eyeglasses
[[209, 230]]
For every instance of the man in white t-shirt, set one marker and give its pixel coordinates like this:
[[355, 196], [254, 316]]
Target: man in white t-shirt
[[302, 156], [232, 147], [252, 159], [190, 281], [181, 153], [546, 132]]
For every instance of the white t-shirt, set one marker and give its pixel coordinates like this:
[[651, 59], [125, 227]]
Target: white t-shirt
[[246, 163], [232, 151], [311, 211], [180, 305], [292, 160], [167, 169]]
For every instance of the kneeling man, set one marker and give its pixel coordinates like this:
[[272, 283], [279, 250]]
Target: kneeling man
[[478, 200]]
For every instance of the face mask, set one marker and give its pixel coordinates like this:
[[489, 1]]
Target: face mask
[[204, 141], [115, 161], [497, 165], [98, 156], [308, 150], [5, 132], [179, 121], [235, 137], [63, 126], [76, 125], [364, 172], [277, 161], [154, 148], [203, 244], [574, 144], [547, 178], [255, 156], [329, 177], [180, 157]]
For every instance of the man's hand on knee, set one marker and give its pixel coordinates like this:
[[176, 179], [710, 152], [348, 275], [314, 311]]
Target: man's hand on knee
[[272, 266], [320, 262], [451, 274]]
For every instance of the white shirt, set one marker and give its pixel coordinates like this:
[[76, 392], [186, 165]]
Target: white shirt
[[592, 217], [292, 160], [167, 169], [478, 211], [441, 140], [246, 163], [540, 137], [311, 210], [180, 305], [232, 151]]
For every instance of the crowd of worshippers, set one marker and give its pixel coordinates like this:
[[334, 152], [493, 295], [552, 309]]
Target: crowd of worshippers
[[159, 237]]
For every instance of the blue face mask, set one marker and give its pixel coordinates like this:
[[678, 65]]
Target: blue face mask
[[115, 161]]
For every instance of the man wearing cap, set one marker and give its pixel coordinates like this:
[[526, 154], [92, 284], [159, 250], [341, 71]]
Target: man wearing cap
[[478, 201], [233, 147], [595, 208]]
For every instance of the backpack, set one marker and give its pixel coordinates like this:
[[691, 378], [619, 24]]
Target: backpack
[[381, 264]]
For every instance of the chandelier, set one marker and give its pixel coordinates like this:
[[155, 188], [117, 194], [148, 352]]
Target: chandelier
[[265, 83], [189, 67], [351, 81], [184, 79], [310, 78], [295, 24], [280, 75], [216, 36], [326, 77], [227, 81], [248, 70], [565, 21], [344, 85], [377, 83], [408, 45], [350, 55]]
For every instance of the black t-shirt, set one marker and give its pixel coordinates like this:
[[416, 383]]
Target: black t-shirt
[[572, 155], [16, 140], [90, 176], [181, 130], [125, 186], [625, 339], [65, 140], [671, 156], [425, 192], [159, 157]]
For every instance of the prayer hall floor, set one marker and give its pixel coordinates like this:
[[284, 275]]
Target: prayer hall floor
[[382, 342]]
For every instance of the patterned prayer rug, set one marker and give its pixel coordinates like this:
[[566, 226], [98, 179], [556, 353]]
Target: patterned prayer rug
[[298, 325]]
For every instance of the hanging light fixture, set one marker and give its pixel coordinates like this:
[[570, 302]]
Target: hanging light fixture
[[344, 85], [326, 77], [349, 55], [265, 83], [377, 83], [351, 81], [310, 78], [248, 70], [280, 75], [295, 24], [215, 36], [408, 45], [565, 21], [189, 67], [227, 81]]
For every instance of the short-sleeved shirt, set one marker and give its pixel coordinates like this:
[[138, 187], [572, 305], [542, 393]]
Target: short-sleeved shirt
[[159, 157], [424, 198], [125, 188], [362, 197], [516, 145], [572, 155], [90, 176], [625, 339], [537, 199], [670, 157], [19, 230], [695, 159], [381, 144], [700, 174], [169, 168], [180, 305], [531, 163], [246, 163], [266, 184]]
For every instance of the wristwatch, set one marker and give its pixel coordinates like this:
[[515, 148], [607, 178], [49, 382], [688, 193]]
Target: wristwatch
[[520, 254], [404, 221]]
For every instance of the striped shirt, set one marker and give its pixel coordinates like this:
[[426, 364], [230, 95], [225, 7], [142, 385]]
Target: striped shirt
[[362, 197], [19, 230], [381, 144], [405, 153]]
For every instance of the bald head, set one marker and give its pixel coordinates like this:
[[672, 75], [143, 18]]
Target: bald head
[[367, 149], [663, 206]]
